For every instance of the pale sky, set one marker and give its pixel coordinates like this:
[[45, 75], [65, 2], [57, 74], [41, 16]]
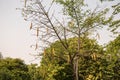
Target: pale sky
[[15, 36]]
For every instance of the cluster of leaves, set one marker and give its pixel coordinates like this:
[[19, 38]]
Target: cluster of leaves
[[16, 69], [13, 69], [113, 55]]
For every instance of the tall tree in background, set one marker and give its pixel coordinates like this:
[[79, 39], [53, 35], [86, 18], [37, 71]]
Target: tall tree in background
[[79, 21]]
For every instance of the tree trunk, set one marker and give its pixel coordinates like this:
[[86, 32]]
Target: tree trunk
[[75, 68]]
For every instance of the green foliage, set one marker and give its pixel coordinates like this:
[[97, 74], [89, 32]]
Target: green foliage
[[113, 55], [5, 74], [95, 69], [116, 70], [116, 8], [13, 69], [57, 65], [95, 65], [64, 73], [34, 72], [115, 25], [113, 48]]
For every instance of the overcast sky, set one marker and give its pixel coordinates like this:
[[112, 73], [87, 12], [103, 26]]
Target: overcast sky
[[15, 36]]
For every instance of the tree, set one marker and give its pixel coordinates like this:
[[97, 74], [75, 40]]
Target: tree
[[34, 72], [5, 74], [55, 62], [80, 21], [113, 55], [13, 69], [93, 66], [113, 49]]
